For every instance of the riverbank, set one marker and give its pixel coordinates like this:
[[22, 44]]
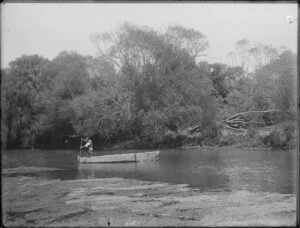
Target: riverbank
[[281, 136], [36, 201]]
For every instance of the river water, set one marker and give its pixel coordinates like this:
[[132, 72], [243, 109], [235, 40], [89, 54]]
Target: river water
[[208, 169]]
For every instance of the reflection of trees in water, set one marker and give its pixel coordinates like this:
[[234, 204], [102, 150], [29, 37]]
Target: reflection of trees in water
[[263, 170], [86, 173], [208, 169], [236, 169], [18, 158], [126, 170], [198, 167]]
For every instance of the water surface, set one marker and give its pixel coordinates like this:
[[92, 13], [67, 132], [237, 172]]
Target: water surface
[[209, 169]]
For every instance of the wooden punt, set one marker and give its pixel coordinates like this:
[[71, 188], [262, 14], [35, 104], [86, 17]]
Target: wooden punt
[[115, 158]]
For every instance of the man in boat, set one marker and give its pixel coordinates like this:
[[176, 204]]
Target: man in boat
[[88, 145]]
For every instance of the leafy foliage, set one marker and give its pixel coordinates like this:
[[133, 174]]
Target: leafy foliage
[[21, 84], [145, 86], [283, 136]]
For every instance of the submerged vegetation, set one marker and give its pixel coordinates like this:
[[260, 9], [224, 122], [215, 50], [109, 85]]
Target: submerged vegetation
[[151, 89]]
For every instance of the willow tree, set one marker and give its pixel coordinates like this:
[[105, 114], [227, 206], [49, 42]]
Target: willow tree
[[159, 69], [273, 95], [242, 54], [21, 83], [67, 78], [263, 54], [276, 84]]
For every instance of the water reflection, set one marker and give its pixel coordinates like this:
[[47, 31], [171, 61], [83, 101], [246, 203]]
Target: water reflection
[[256, 170], [130, 169], [206, 168]]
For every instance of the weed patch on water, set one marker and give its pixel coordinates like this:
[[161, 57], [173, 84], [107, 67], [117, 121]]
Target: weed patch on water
[[14, 215], [169, 203], [72, 215], [101, 193], [32, 221], [187, 218]]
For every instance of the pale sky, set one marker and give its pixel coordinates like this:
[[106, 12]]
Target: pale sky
[[48, 28]]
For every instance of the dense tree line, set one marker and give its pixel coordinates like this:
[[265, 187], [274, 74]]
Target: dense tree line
[[143, 86]]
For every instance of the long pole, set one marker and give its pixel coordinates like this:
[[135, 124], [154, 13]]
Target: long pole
[[80, 147]]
